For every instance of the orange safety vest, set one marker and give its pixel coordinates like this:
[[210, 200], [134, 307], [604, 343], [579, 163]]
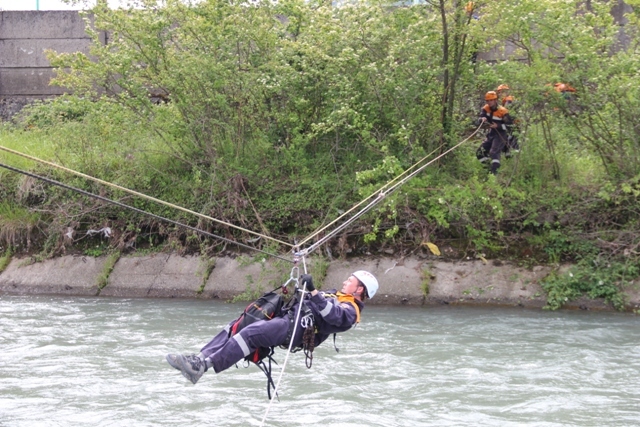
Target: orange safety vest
[[498, 114], [506, 99], [346, 298]]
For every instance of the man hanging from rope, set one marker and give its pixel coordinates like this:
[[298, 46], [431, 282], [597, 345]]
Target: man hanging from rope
[[496, 118], [326, 312]]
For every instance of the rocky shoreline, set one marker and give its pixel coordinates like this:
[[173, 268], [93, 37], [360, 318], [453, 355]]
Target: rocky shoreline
[[407, 281]]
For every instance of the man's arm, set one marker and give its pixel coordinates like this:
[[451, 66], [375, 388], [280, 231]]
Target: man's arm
[[334, 313], [483, 118]]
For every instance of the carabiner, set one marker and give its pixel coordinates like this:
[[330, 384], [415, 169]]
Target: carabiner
[[307, 320], [293, 277]]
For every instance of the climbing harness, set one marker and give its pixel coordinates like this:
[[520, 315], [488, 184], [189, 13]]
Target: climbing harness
[[307, 323], [268, 306]]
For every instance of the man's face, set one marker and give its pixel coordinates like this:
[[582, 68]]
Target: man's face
[[350, 286], [493, 104]]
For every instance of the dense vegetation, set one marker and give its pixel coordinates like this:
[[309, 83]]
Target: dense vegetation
[[280, 116]]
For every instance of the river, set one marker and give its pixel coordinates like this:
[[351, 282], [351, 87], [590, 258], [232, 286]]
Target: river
[[100, 362]]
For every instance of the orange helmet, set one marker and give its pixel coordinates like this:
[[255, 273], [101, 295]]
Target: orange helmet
[[502, 87], [563, 87], [507, 99], [469, 7], [490, 96]]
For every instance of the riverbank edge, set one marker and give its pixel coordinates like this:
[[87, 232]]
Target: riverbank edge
[[403, 281]]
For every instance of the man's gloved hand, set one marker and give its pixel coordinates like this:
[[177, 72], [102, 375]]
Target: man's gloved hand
[[309, 281]]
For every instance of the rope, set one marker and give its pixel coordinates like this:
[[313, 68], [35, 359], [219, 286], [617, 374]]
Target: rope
[[382, 194], [135, 193], [286, 358], [122, 205], [315, 233]]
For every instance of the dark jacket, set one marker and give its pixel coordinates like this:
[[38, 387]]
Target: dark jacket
[[500, 116], [333, 314]]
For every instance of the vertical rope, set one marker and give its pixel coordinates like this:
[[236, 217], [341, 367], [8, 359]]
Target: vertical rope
[[286, 358]]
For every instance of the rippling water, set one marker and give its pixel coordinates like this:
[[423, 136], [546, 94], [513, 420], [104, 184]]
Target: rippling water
[[100, 362]]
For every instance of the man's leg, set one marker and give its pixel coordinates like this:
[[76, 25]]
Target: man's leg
[[193, 366], [483, 151], [507, 148], [513, 141], [497, 144], [260, 334], [217, 342]]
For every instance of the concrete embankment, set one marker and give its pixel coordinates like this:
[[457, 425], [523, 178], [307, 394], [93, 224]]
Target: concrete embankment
[[410, 281]]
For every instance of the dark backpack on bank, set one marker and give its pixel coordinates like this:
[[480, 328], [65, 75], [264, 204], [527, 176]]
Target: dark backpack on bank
[[266, 307]]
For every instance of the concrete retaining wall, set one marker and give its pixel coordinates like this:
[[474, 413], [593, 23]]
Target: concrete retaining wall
[[24, 38], [25, 72], [409, 281]]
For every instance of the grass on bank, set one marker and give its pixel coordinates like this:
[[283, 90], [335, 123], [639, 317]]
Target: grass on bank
[[5, 259], [103, 277]]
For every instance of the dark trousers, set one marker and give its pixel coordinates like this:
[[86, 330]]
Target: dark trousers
[[491, 149], [225, 351], [512, 144]]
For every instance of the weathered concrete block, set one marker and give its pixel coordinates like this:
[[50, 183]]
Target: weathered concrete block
[[231, 277], [67, 275], [58, 24], [500, 53], [487, 282], [402, 281], [26, 53], [11, 106], [160, 275], [28, 82]]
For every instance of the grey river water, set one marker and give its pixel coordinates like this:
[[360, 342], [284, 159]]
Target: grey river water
[[100, 362]]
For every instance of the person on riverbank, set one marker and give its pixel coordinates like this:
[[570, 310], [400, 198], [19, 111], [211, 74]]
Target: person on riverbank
[[330, 312], [503, 95], [508, 101], [496, 118], [565, 90]]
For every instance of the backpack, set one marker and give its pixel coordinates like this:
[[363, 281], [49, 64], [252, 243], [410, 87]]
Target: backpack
[[266, 307]]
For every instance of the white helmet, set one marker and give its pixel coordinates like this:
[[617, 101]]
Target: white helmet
[[368, 280]]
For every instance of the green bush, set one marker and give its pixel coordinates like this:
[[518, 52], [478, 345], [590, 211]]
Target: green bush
[[53, 112], [593, 278]]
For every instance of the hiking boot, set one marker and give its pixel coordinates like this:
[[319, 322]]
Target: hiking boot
[[172, 359], [191, 366]]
